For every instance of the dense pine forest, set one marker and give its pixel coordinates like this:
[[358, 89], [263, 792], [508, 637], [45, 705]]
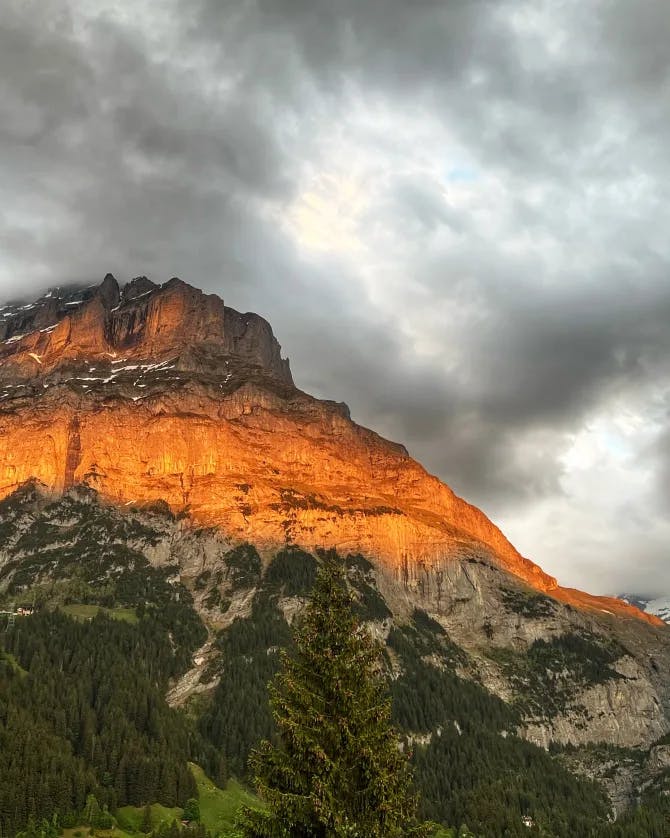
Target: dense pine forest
[[82, 711]]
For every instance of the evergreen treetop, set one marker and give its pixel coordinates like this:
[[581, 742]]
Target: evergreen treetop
[[335, 768]]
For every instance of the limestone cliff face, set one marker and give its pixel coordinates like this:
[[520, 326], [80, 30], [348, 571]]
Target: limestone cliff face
[[162, 393], [143, 321]]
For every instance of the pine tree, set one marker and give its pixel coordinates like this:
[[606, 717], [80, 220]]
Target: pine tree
[[146, 820], [336, 768], [191, 810]]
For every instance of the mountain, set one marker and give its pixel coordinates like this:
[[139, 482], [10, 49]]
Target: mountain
[[159, 466], [658, 606], [164, 393]]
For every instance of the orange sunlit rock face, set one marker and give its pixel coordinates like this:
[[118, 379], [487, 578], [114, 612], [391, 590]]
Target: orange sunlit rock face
[[162, 393], [143, 322]]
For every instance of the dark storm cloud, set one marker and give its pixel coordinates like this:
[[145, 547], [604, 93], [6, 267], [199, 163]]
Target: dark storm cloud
[[479, 63], [115, 150], [540, 362], [507, 277]]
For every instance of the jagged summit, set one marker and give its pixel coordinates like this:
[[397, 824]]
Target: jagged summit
[[153, 393], [142, 321]]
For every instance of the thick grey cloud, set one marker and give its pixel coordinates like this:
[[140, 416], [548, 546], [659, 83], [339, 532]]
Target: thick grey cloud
[[454, 214]]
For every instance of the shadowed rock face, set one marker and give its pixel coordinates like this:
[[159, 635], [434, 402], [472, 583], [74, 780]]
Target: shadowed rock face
[[154, 392]]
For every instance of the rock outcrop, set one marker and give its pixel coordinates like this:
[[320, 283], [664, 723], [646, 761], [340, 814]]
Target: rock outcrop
[[142, 321]]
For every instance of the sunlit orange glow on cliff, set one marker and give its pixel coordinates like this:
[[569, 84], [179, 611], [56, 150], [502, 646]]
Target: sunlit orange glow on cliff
[[222, 432]]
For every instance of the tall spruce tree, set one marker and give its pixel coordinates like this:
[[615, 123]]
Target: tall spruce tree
[[335, 768]]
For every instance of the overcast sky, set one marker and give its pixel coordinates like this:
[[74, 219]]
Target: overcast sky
[[454, 213]]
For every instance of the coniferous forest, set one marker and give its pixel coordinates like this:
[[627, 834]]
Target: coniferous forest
[[83, 711]]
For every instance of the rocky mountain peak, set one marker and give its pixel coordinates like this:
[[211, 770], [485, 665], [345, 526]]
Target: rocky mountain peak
[[142, 321], [138, 287], [109, 291]]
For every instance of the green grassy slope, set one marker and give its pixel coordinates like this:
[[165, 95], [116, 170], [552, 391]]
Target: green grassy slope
[[87, 612], [219, 807]]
